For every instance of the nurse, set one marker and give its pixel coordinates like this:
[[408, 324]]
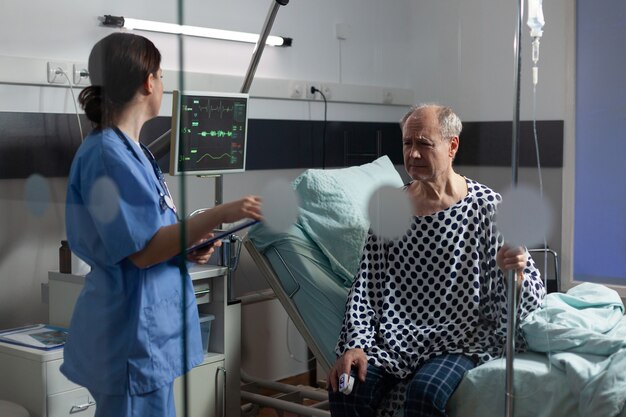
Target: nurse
[[126, 343]]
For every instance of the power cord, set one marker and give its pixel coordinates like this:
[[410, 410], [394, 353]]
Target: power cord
[[60, 71], [291, 353], [313, 91]]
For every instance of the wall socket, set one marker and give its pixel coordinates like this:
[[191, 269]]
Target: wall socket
[[327, 91], [295, 90], [324, 88], [387, 96], [81, 74], [53, 77], [309, 95]]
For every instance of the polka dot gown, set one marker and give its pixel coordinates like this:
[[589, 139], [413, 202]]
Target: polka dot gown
[[436, 289]]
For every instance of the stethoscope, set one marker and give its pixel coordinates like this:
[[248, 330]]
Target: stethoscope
[[165, 198]]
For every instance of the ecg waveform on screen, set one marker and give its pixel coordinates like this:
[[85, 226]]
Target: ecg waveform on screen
[[222, 156], [214, 131], [216, 109], [231, 158]]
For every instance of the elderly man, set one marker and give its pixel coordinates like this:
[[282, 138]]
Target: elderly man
[[430, 305]]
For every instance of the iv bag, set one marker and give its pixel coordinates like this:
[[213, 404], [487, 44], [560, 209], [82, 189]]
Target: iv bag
[[535, 18]]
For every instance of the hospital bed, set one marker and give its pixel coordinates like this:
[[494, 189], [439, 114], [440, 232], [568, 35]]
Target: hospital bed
[[303, 268]]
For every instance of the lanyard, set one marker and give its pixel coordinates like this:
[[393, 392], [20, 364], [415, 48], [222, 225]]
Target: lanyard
[[165, 198]]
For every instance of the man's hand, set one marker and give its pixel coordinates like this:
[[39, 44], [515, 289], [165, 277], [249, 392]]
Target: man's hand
[[351, 358], [509, 258]]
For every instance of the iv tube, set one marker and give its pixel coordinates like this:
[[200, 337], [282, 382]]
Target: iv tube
[[535, 57]]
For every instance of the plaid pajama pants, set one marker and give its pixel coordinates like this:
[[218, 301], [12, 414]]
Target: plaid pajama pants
[[427, 392]]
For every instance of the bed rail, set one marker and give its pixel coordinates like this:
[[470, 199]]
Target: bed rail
[[269, 274], [301, 399]]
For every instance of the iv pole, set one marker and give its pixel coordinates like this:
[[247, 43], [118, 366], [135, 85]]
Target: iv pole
[[245, 88], [247, 82], [511, 284]]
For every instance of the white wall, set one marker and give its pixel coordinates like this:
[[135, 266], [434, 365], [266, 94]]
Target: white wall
[[463, 56], [446, 51]]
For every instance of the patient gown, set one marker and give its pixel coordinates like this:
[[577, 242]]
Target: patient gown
[[435, 290]]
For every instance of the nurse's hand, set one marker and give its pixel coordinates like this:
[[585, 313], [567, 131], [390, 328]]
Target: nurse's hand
[[247, 207], [201, 256]]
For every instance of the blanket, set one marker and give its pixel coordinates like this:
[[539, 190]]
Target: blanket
[[584, 334]]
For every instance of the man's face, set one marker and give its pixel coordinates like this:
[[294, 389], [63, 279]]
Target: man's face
[[427, 155]]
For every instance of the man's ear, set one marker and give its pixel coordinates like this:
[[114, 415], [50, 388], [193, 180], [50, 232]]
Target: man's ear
[[454, 146]]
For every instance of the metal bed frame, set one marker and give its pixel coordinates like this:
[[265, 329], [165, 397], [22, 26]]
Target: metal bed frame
[[291, 398]]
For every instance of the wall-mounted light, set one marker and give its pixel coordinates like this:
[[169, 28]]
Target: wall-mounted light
[[151, 26]]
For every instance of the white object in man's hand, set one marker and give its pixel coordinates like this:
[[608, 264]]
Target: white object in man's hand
[[346, 382]]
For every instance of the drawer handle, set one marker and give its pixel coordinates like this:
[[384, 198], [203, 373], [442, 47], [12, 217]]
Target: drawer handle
[[80, 408], [198, 293]]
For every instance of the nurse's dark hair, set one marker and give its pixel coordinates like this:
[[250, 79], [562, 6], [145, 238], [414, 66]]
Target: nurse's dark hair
[[118, 66], [449, 123]]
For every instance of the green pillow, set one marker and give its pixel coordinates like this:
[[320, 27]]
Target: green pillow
[[333, 210]]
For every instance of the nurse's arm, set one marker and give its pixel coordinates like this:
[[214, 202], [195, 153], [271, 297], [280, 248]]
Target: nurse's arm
[[165, 244]]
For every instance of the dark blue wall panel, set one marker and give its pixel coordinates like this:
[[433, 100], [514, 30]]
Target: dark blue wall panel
[[600, 199]]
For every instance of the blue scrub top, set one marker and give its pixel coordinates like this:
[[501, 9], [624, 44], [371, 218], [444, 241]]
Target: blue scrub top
[[126, 333]]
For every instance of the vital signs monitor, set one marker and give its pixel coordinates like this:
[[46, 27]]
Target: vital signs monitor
[[209, 133]]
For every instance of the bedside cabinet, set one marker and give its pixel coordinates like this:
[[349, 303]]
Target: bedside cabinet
[[32, 379]]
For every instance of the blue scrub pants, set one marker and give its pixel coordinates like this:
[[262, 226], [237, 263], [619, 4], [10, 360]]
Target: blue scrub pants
[[427, 394], [159, 403]]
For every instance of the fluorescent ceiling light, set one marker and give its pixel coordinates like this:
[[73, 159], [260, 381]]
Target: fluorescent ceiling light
[[151, 26]]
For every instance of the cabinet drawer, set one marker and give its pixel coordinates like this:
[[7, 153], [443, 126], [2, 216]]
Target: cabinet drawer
[[56, 382], [202, 290], [205, 387], [75, 403]]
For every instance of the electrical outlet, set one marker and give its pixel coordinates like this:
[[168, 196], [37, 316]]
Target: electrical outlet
[[342, 31], [55, 72], [295, 90], [327, 91], [81, 74], [309, 94], [387, 96]]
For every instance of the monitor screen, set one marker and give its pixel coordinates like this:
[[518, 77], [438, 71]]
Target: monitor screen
[[208, 133]]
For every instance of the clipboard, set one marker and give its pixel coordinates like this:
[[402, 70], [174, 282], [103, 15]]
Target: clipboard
[[37, 336], [221, 235]]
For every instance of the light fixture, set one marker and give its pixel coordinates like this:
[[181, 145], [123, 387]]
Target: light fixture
[[151, 26]]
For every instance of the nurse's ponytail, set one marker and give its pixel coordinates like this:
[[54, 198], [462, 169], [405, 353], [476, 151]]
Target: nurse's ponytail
[[90, 100], [118, 66]]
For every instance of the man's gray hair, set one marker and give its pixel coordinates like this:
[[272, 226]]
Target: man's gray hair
[[449, 123]]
